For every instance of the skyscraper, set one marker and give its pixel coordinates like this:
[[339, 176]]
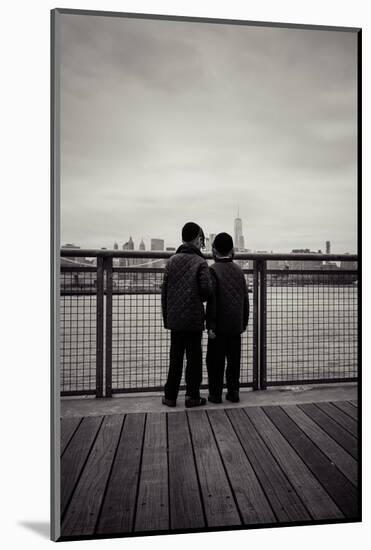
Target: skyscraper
[[328, 247], [239, 241], [142, 246], [129, 245], [157, 244]]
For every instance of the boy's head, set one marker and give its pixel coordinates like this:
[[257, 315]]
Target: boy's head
[[193, 234], [223, 245]]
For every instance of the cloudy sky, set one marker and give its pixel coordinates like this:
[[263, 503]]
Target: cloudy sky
[[163, 122]]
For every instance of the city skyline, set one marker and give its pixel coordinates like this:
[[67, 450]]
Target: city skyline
[[166, 246], [172, 121]]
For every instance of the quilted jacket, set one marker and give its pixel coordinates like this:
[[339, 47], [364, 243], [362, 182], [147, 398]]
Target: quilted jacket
[[228, 307], [186, 284]]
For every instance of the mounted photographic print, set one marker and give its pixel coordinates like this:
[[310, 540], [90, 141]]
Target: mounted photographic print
[[206, 282]]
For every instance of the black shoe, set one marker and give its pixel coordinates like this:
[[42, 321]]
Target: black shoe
[[169, 402], [214, 399], [195, 402], [233, 396]]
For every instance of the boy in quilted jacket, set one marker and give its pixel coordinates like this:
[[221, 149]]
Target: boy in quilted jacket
[[227, 315], [186, 285]]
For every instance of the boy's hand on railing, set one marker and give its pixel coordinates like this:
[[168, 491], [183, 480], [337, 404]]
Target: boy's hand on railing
[[211, 334]]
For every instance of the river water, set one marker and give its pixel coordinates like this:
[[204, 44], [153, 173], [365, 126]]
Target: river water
[[311, 334]]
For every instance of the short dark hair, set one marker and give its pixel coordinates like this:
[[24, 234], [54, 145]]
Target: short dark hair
[[190, 232], [223, 243]]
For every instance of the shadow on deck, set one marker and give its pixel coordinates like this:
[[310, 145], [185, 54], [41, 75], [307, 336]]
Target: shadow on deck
[[154, 472]]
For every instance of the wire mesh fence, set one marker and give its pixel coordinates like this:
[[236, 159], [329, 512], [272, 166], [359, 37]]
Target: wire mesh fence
[[140, 344], [111, 327], [311, 327], [78, 330]]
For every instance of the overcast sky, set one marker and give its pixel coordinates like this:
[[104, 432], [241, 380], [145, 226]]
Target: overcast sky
[[164, 122]]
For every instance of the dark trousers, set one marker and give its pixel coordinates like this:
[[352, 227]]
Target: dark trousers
[[224, 346], [190, 343]]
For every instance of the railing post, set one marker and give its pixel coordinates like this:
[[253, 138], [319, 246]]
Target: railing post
[[263, 324], [108, 269], [255, 375], [100, 327]]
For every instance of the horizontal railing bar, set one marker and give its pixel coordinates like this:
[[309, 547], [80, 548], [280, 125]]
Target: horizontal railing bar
[[312, 271], [77, 393], [305, 381], [115, 292], [78, 269], [160, 388], [135, 269], [154, 254]]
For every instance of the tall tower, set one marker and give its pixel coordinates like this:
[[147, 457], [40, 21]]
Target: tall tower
[[238, 237], [142, 246], [328, 247], [129, 245]]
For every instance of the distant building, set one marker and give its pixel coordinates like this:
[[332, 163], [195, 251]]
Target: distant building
[[129, 245], [142, 246], [157, 244], [239, 241], [115, 261], [170, 249], [304, 264], [345, 264], [328, 247]]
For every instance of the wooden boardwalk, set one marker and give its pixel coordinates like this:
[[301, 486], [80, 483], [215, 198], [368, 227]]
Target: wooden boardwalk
[[209, 469]]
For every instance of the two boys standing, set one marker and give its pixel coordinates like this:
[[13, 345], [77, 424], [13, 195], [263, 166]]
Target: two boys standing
[[188, 283]]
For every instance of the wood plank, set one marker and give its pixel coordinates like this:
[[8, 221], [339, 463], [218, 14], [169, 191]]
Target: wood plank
[[68, 428], [347, 441], [283, 499], [315, 498], [346, 464], [185, 499], [82, 513], [75, 456], [341, 418], [251, 500], [117, 513], [336, 484], [219, 505], [153, 501], [347, 408]]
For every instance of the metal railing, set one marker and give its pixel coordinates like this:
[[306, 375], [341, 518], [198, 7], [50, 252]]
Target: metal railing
[[302, 328]]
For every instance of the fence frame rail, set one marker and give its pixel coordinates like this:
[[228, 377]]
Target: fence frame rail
[[104, 291]]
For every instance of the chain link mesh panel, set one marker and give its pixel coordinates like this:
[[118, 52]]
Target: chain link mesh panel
[[78, 331], [140, 344], [311, 327]]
